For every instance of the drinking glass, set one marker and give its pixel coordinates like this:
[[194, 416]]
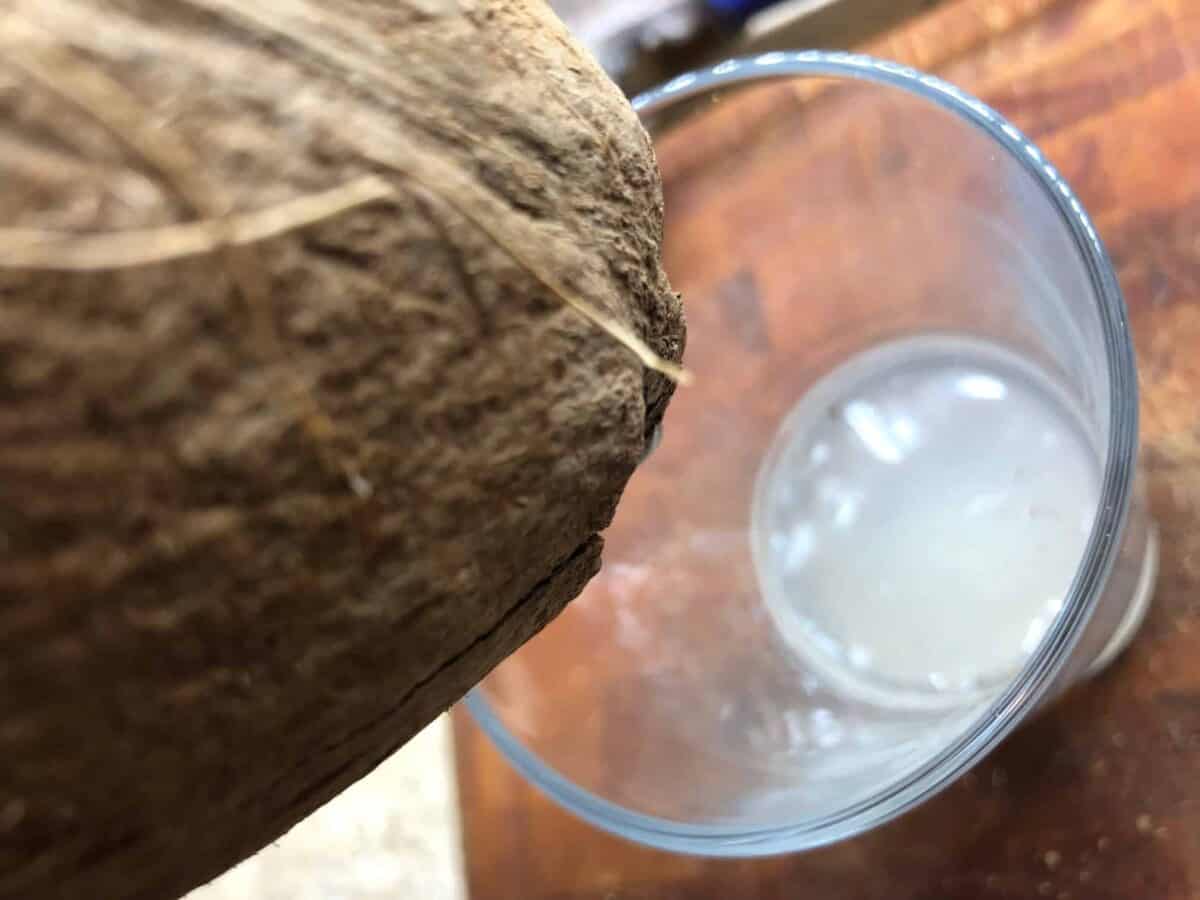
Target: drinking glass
[[896, 513]]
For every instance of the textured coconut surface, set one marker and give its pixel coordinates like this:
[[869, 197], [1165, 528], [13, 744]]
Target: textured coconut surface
[[312, 402]]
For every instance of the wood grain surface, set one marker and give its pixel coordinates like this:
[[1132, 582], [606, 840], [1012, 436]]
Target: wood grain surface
[[1100, 797]]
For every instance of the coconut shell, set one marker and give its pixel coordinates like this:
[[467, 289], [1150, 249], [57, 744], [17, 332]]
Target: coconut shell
[[314, 399]]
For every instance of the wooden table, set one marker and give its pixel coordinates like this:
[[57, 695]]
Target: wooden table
[[1100, 797]]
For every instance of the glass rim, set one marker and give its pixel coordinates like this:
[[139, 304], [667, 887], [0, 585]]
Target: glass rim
[[1030, 685]]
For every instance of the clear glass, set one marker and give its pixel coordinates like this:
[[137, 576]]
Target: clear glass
[[897, 510]]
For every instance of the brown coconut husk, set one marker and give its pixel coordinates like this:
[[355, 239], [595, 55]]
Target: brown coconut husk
[[329, 335]]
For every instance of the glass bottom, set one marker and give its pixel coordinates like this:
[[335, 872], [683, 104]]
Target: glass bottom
[[1135, 613]]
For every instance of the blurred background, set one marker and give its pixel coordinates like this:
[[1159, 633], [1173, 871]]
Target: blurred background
[[643, 42]]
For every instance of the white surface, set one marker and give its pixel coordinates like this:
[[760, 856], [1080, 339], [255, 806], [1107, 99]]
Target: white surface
[[923, 516], [393, 835]]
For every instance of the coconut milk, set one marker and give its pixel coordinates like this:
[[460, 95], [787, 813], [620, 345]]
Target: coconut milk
[[920, 518]]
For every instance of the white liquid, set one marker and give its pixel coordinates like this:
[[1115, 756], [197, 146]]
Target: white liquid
[[920, 518]]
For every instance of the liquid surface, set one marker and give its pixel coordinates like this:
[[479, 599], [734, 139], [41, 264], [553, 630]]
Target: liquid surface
[[920, 518]]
